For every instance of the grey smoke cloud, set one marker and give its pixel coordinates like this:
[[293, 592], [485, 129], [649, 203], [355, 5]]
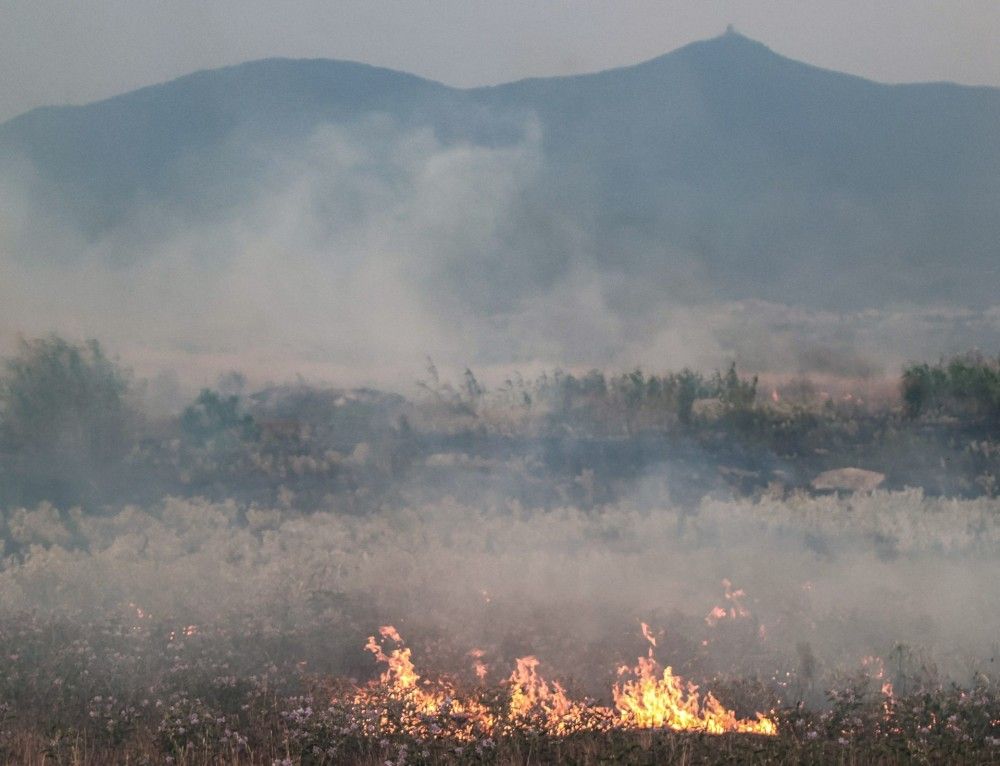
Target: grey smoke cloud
[[366, 248]]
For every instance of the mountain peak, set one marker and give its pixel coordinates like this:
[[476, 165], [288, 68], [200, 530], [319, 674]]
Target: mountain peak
[[731, 49], [730, 39]]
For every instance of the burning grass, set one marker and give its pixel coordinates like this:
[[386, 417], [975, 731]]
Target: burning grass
[[97, 689], [645, 697], [100, 691], [815, 629]]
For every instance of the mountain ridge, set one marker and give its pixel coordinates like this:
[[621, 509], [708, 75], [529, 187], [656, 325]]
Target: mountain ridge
[[770, 176], [687, 48]]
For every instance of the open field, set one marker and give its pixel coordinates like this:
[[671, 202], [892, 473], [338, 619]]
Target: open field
[[213, 632]]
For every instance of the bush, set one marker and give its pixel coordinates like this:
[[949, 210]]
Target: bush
[[65, 418], [964, 387], [216, 419]]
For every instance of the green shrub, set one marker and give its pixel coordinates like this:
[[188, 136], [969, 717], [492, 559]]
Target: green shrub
[[965, 387], [216, 418], [64, 417]]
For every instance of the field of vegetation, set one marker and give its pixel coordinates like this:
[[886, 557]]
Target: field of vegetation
[[542, 572], [197, 632]]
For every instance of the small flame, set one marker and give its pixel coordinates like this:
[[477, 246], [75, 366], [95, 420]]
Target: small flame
[[422, 701], [736, 609], [876, 667], [648, 635], [717, 614], [478, 666]]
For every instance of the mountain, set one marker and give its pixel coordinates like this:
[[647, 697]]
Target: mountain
[[721, 168]]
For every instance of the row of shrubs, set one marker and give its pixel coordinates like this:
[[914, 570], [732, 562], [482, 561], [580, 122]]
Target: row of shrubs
[[71, 425]]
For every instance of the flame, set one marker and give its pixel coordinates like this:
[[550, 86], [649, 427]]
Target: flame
[[658, 701], [717, 613], [425, 705], [736, 609], [644, 698], [646, 634], [531, 696], [651, 700], [477, 663], [187, 631], [400, 673], [876, 667]]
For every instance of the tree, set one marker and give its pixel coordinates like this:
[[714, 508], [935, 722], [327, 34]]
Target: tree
[[733, 391], [214, 418], [64, 416], [690, 387]]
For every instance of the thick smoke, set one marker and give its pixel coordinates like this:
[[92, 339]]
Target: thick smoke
[[366, 248]]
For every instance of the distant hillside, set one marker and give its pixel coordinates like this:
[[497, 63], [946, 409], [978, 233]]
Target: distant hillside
[[721, 167]]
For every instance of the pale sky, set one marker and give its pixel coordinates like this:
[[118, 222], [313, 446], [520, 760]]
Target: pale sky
[[75, 51]]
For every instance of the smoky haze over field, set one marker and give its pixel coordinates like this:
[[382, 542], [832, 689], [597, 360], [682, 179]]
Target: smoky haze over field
[[836, 580], [717, 203], [298, 348]]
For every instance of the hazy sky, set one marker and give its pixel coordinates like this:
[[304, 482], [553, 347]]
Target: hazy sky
[[73, 51]]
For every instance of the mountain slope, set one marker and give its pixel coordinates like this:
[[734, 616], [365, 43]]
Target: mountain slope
[[762, 165], [170, 140], [721, 167]]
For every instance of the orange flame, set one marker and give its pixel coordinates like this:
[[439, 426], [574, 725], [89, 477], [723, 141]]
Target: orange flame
[[421, 706], [876, 667], [400, 673], [652, 700], [477, 663], [736, 609], [531, 695], [643, 698]]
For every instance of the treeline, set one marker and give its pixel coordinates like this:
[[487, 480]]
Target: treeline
[[73, 431], [632, 400], [634, 392]]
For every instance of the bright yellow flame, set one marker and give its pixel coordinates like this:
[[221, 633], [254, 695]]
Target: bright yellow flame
[[421, 701], [651, 700], [644, 698], [532, 696]]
